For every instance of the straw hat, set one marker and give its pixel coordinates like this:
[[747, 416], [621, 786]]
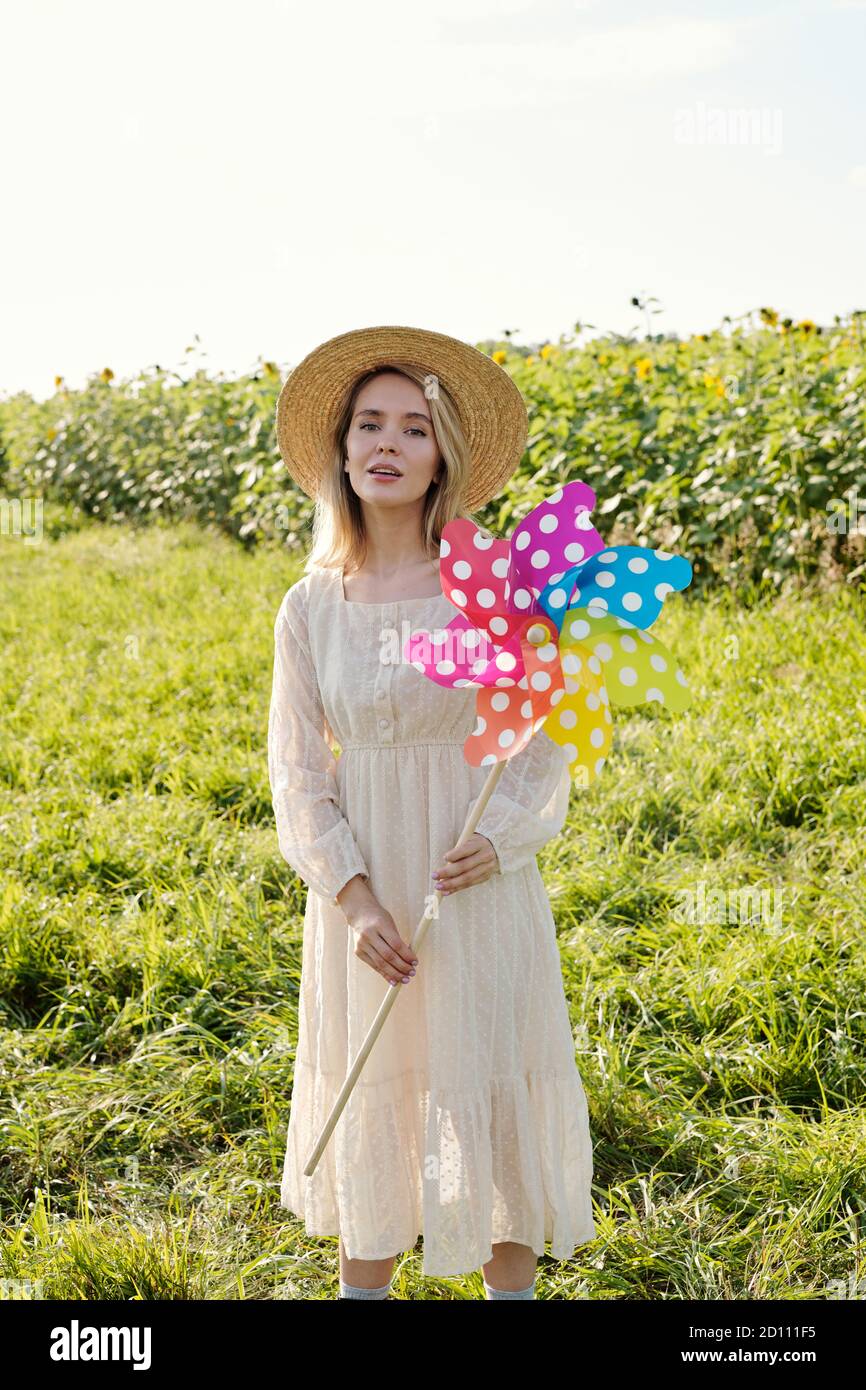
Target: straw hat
[[490, 406]]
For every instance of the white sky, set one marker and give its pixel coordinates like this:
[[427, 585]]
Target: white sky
[[271, 173]]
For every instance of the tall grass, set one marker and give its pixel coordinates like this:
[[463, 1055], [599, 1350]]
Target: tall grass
[[150, 945]]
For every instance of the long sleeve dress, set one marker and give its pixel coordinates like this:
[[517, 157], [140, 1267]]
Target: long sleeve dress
[[468, 1124]]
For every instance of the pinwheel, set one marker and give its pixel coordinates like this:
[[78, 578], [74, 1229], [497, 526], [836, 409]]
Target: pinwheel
[[550, 628]]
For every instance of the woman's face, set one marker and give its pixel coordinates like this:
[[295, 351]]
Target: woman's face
[[391, 429]]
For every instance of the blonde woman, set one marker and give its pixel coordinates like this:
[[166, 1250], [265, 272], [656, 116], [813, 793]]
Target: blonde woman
[[468, 1125]]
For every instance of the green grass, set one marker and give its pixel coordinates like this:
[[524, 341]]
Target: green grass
[[150, 946]]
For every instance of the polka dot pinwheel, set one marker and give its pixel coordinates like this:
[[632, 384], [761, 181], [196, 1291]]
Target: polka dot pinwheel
[[551, 628]]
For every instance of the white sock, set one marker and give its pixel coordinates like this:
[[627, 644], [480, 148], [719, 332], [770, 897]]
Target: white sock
[[352, 1291], [508, 1293]]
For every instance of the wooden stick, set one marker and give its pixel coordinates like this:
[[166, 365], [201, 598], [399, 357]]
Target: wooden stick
[[394, 990]]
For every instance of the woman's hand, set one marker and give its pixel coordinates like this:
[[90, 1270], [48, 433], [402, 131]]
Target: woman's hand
[[472, 862], [379, 944]]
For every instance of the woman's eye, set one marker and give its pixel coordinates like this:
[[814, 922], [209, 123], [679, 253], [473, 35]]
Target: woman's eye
[[371, 424]]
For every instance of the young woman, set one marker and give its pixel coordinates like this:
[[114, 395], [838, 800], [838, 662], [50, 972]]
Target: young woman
[[468, 1124]]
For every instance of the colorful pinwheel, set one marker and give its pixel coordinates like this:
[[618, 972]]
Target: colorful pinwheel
[[551, 628]]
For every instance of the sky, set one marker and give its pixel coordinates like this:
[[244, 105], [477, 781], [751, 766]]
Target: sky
[[249, 180]]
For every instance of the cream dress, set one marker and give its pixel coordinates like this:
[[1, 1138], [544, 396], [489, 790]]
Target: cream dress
[[468, 1124]]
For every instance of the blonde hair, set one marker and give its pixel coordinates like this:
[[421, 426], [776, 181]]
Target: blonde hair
[[339, 535]]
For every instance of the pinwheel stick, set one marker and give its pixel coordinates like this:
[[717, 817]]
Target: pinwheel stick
[[394, 990]]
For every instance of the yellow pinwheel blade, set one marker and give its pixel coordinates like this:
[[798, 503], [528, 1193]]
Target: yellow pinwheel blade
[[580, 720]]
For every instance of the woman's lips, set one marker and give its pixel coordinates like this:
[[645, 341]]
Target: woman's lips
[[386, 477]]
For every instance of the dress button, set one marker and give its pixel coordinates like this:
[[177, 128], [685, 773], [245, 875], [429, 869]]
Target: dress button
[[383, 723]]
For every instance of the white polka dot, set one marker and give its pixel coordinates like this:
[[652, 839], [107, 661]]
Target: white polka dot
[[555, 496], [570, 752], [500, 701], [486, 598], [557, 695], [506, 661], [568, 718], [597, 607], [445, 668], [655, 694], [499, 626], [461, 569], [482, 542], [438, 637], [628, 675], [631, 601], [504, 680], [579, 629], [574, 552], [607, 557], [658, 662], [583, 520], [594, 665], [500, 566], [539, 558], [681, 678], [506, 738], [558, 598], [548, 522], [628, 644], [596, 738], [664, 555], [638, 565], [547, 652], [444, 549], [522, 598], [599, 764], [603, 651], [662, 590], [471, 637], [479, 727], [526, 709], [592, 700], [479, 665], [571, 663], [458, 597], [605, 580], [540, 680], [523, 540], [487, 759]]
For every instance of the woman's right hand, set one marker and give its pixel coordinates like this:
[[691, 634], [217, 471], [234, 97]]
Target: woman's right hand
[[379, 944]]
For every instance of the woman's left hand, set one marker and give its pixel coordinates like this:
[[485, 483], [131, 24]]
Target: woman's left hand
[[472, 862]]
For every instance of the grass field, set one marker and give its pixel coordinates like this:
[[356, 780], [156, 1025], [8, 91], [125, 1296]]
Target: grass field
[[151, 935]]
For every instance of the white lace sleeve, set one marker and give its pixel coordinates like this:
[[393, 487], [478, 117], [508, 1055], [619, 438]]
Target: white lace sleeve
[[313, 834], [530, 803]]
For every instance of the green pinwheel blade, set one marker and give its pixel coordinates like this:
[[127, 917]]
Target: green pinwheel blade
[[636, 667]]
